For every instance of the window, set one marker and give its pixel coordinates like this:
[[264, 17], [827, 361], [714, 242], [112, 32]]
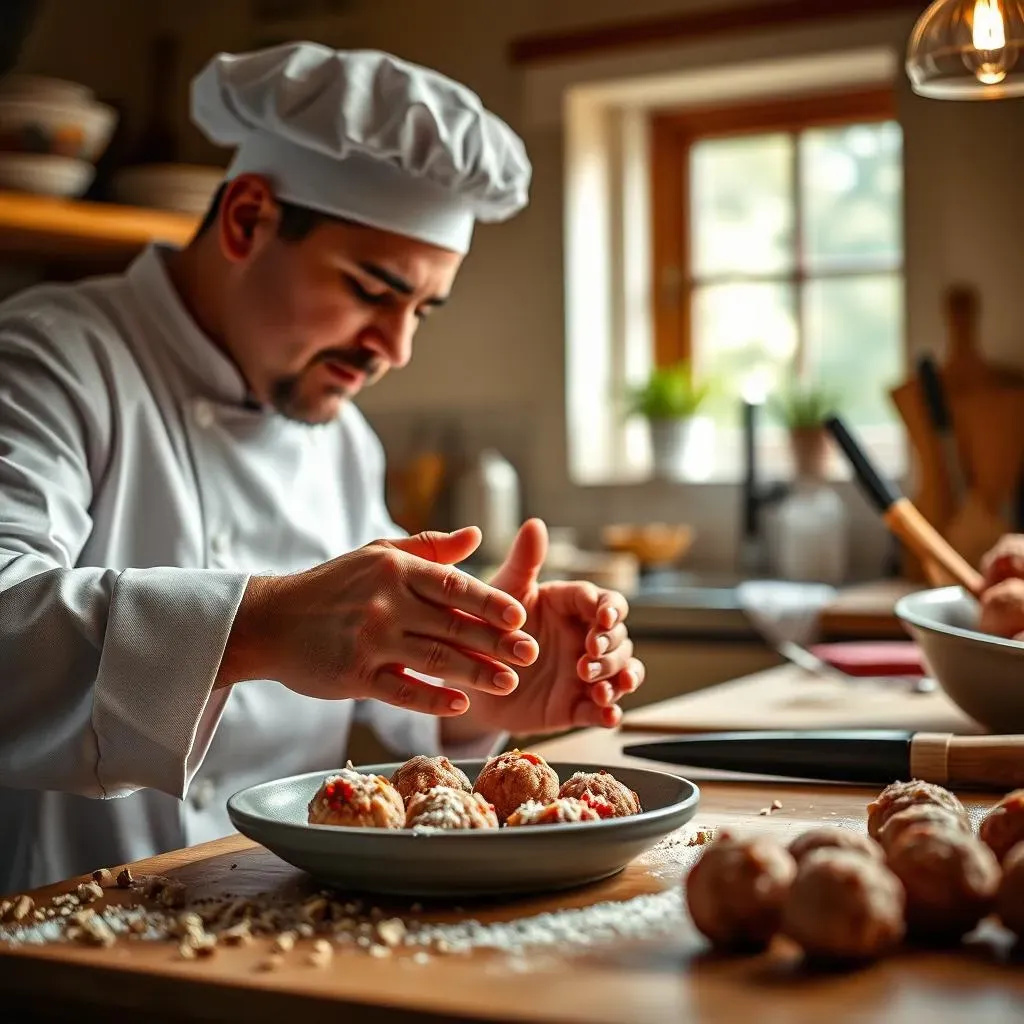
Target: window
[[778, 252]]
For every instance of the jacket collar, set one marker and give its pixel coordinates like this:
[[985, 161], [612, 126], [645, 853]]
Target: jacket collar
[[211, 372]]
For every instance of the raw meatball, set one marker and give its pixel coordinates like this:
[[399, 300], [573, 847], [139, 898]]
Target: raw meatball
[[560, 811], [834, 838], [950, 880], [357, 800], [449, 808], [1002, 609], [1010, 898], [1003, 827], [421, 774], [736, 891], [933, 815], [844, 906], [602, 791], [514, 778], [901, 795]]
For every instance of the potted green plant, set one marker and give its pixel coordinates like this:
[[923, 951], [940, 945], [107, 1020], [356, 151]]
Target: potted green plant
[[669, 399], [803, 409]]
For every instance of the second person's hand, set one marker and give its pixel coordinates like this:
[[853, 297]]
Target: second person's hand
[[350, 628]]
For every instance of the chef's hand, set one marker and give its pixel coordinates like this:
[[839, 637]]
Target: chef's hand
[[1005, 561], [1002, 600], [586, 661], [351, 627]]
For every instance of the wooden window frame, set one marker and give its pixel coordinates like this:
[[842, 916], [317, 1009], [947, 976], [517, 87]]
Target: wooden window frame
[[672, 138]]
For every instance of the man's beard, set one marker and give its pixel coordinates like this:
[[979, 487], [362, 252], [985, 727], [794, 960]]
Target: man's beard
[[286, 392]]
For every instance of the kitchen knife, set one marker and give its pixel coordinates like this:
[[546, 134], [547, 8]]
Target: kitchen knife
[[877, 756], [938, 413]]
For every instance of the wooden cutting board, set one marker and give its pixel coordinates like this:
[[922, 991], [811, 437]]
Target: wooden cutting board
[[788, 698]]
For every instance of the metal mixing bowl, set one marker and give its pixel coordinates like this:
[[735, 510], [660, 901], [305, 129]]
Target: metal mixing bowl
[[983, 674]]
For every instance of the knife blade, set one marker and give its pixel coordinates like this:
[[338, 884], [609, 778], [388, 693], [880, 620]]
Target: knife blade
[[877, 756]]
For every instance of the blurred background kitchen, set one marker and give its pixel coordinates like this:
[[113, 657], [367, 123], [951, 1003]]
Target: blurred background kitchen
[[742, 219]]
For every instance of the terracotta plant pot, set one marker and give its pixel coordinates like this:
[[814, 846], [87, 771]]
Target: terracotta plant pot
[[810, 448]]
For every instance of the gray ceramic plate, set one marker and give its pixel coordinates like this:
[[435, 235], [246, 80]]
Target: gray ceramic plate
[[983, 674], [461, 863]]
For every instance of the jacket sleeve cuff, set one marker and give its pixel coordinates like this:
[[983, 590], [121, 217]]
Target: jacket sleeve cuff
[[154, 709]]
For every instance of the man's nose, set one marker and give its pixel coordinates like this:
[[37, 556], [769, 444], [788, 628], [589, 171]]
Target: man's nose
[[391, 337]]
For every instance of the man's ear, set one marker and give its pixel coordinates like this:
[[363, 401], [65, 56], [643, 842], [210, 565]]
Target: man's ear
[[248, 212]]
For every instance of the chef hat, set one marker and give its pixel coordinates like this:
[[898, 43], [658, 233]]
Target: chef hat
[[365, 136]]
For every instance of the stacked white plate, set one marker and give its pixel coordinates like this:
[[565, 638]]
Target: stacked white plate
[[51, 134], [186, 188]]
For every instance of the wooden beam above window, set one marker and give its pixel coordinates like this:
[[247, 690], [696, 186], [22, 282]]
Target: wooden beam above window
[[694, 27]]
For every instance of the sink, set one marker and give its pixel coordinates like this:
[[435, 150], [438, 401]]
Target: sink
[[687, 590]]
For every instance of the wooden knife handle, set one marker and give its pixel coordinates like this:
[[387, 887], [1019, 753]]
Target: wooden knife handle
[[973, 762], [927, 543]]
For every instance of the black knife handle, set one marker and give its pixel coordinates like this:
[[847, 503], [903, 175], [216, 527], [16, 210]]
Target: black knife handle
[[881, 493], [934, 396]]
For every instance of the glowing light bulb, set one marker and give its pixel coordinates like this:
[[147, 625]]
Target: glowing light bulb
[[990, 59]]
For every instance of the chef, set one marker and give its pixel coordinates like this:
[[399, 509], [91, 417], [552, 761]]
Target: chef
[[200, 586]]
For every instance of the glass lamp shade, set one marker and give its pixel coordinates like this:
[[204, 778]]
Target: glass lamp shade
[[968, 50]]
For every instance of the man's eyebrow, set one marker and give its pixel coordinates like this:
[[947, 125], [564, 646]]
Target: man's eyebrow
[[398, 284]]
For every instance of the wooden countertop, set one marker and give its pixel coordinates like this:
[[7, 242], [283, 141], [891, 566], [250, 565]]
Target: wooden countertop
[[671, 980]]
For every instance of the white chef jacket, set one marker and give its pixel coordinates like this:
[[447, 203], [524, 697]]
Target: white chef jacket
[[138, 490]]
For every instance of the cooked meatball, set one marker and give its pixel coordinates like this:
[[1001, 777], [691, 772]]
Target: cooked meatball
[[736, 891], [602, 791], [512, 779], [829, 837], [950, 879], [1002, 609], [560, 811], [901, 795], [1003, 827], [420, 774], [350, 798], [1010, 897], [449, 808], [920, 814], [844, 906]]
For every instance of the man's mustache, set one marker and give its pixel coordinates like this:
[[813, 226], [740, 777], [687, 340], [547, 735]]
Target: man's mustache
[[361, 360]]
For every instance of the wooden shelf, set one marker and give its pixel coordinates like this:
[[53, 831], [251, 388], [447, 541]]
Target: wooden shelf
[[55, 229]]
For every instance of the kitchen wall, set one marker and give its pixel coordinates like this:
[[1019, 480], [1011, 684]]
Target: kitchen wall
[[493, 363]]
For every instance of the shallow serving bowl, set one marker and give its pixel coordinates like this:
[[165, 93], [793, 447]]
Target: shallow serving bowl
[[485, 862], [983, 674], [79, 130]]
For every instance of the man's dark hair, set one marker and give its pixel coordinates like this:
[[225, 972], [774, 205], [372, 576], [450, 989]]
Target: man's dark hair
[[297, 222]]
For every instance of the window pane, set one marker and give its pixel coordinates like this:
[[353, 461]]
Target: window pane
[[741, 205], [854, 343], [852, 186], [744, 340]]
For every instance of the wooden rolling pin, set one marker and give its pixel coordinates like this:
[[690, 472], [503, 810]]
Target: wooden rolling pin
[[900, 515]]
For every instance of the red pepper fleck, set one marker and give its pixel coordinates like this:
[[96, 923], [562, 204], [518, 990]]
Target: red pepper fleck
[[339, 792], [598, 804]]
